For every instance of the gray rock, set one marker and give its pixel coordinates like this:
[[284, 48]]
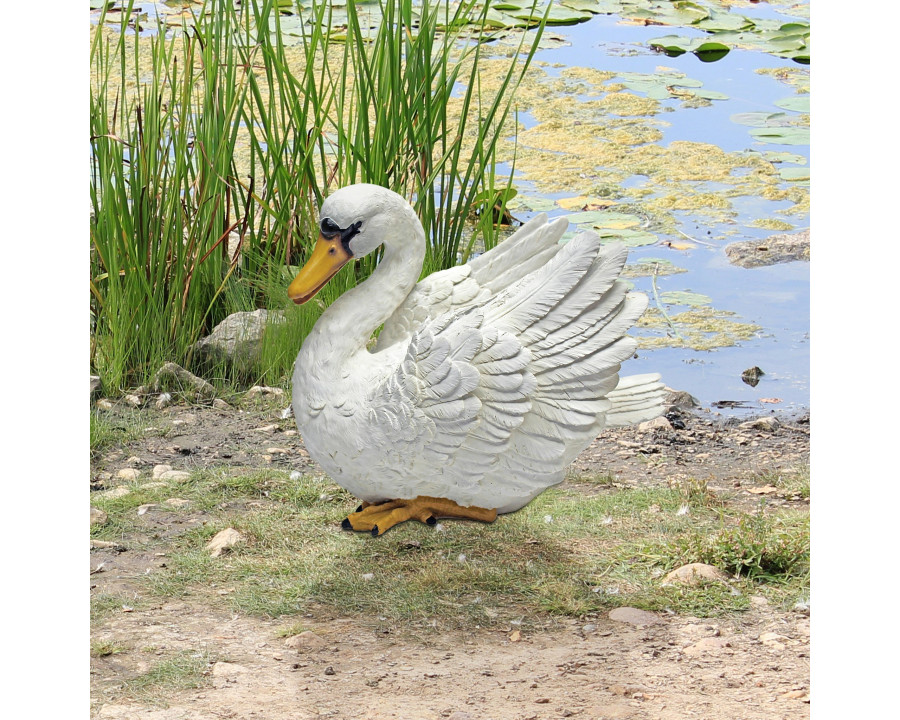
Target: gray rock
[[175, 379], [633, 616], [767, 424], [95, 386], [158, 470], [775, 249], [98, 517], [236, 341], [680, 399], [260, 391], [220, 404], [660, 423], [224, 541], [128, 474]]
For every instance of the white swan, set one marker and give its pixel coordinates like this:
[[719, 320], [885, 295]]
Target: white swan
[[487, 379]]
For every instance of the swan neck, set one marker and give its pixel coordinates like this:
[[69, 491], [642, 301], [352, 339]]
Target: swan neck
[[347, 325]]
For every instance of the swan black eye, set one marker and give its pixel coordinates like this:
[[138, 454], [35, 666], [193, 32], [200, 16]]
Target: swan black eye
[[332, 250], [329, 226]]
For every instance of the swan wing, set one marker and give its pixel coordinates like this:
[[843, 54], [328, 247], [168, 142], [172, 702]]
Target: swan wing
[[463, 286], [510, 391]]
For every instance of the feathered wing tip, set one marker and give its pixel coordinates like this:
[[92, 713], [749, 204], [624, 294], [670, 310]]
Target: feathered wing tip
[[635, 399]]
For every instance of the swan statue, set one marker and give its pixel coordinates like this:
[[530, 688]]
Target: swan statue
[[486, 380]]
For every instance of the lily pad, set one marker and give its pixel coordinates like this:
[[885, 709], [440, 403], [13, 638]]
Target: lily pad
[[782, 135], [631, 238], [705, 50], [794, 174], [798, 103]]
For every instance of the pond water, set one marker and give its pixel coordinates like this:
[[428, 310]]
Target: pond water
[[776, 298]]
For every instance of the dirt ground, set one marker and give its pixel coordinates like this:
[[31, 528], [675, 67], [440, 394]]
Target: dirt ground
[[755, 665]]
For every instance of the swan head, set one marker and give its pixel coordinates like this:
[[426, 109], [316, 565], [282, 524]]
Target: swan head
[[353, 222]]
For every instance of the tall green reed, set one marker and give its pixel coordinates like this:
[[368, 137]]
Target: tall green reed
[[211, 150]]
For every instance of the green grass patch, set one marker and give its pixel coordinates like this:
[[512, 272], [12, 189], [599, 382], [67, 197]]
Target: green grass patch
[[566, 554], [185, 670]]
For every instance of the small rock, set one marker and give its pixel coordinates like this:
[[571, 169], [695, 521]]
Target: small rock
[[768, 424], [128, 474], [237, 339], [758, 601], [153, 485], [660, 423], [680, 399], [220, 404], [103, 404], [633, 616], [158, 471], [266, 428], [133, 400], [307, 640], [175, 378], [105, 545], [752, 375], [223, 541], [95, 385], [98, 517], [588, 629], [277, 451], [258, 391], [143, 509], [694, 574], [163, 401], [329, 670], [178, 475]]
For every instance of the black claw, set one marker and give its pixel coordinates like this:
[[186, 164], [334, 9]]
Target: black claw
[[359, 509], [375, 531], [431, 520], [345, 524]]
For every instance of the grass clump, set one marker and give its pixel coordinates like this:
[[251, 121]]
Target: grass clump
[[104, 648], [758, 546], [185, 670]]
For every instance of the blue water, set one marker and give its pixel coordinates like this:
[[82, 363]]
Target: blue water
[[775, 298]]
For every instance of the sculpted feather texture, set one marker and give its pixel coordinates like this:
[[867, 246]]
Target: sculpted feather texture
[[487, 379]]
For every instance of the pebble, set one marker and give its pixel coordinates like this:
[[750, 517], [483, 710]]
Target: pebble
[[223, 541], [707, 645], [220, 404], [103, 404], [98, 517], [261, 390], [142, 510], [175, 475], [767, 424], [660, 423], [158, 470], [307, 640], [128, 474], [133, 400]]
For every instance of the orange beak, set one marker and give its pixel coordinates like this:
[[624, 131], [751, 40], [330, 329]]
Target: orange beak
[[327, 258]]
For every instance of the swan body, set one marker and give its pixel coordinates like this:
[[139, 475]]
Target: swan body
[[487, 379]]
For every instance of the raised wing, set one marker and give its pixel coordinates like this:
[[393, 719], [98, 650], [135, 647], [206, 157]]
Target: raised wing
[[510, 391], [458, 288]]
